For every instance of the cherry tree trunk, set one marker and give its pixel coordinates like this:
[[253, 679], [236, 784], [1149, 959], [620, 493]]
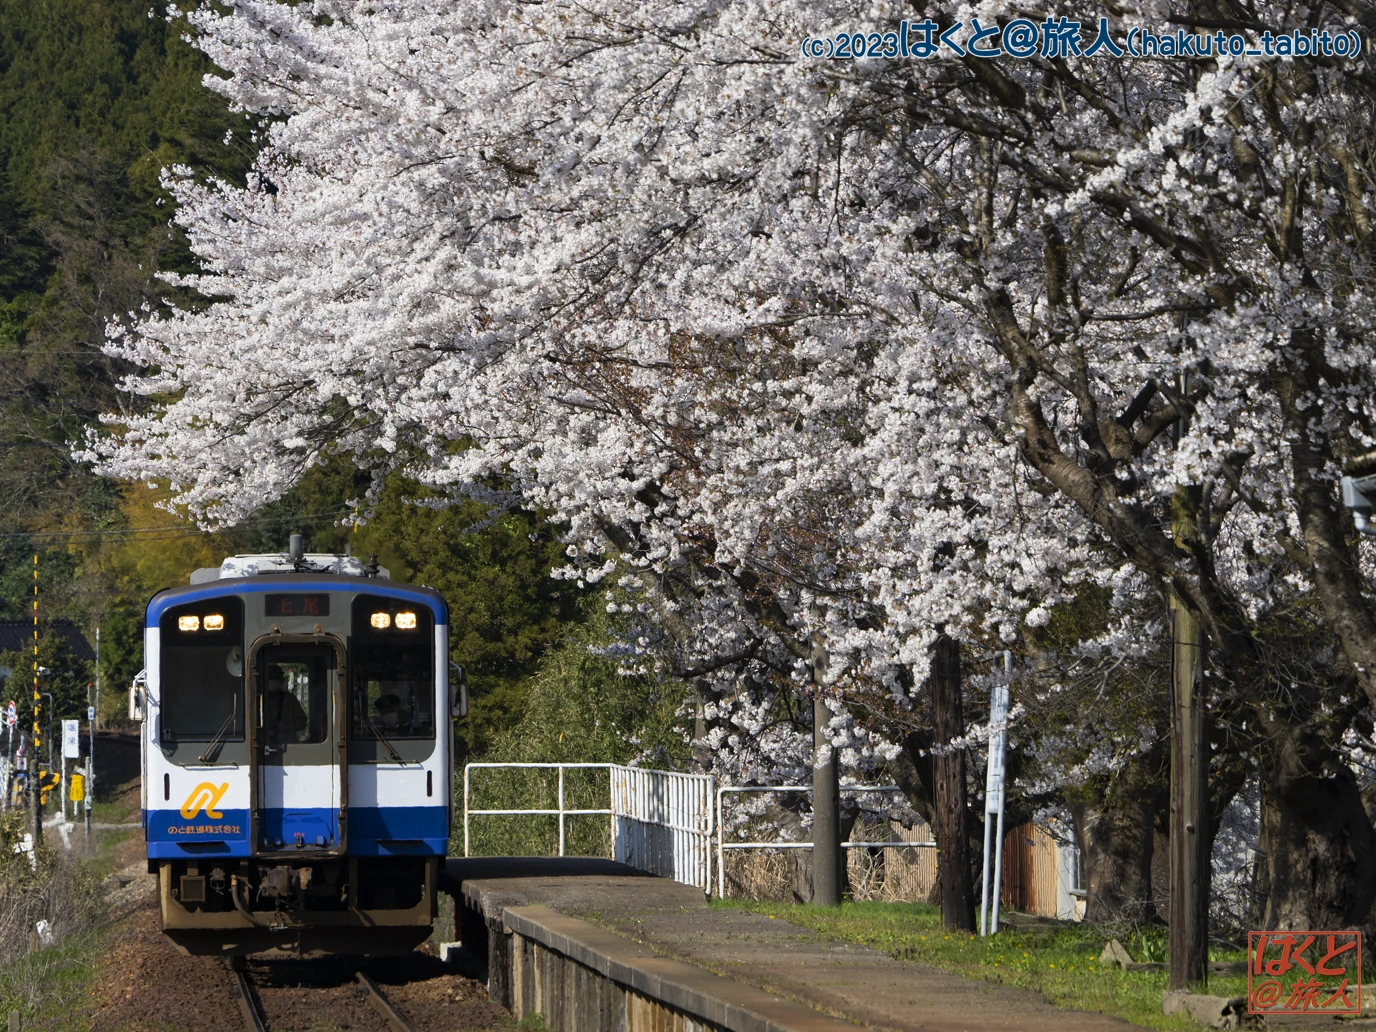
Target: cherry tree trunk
[[1318, 846], [952, 815], [1117, 836]]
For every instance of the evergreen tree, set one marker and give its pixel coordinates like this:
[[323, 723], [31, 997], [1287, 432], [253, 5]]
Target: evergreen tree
[[96, 98]]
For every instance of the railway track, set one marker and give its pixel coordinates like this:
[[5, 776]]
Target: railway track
[[243, 995], [382, 1005], [255, 1021]]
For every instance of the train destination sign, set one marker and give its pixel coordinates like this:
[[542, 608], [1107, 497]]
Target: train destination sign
[[297, 605]]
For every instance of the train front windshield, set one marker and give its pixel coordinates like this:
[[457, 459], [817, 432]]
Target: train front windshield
[[202, 671], [393, 669]]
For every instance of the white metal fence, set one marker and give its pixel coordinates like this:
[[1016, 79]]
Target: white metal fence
[[665, 823], [562, 811], [661, 821], [723, 846]]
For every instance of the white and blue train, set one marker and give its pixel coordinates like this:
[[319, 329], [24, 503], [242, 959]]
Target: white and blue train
[[297, 755]]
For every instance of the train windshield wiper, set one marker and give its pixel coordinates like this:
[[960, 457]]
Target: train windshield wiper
[[213, 748], [396, 756]]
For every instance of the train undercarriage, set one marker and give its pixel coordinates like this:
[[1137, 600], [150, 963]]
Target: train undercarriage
[[359, 905]]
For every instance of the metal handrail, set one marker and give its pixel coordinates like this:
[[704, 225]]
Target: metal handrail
[[640, 797], [562, 811], [723, 845], [699, 828]]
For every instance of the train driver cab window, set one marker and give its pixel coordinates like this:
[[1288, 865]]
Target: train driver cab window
[[393, 669], [202, 676]]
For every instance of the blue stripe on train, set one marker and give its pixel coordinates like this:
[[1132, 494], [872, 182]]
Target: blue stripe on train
[[172, 836], [398, 830], [372, 831], [218, 589], [308, 828]]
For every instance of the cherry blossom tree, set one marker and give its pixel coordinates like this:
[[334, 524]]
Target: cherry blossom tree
[[825, 357]]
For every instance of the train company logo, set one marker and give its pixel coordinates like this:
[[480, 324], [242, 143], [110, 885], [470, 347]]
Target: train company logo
[[204, 796]]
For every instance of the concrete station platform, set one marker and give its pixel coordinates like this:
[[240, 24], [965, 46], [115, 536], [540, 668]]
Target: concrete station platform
[[592, 944]]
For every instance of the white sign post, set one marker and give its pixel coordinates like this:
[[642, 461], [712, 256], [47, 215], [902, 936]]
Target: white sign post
[[71, 739], [993, 795], [71, 750]]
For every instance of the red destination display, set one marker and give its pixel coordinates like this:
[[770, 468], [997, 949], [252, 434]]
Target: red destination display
[[297, 605]]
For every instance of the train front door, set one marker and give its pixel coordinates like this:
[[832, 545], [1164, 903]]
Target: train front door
[[298, 707]]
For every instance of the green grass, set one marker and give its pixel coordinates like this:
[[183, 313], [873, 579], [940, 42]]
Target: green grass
[[46, 986], [1061, 963], [112, 812]]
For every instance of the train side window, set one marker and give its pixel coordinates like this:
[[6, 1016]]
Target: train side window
[[202, 676], [393, 669]]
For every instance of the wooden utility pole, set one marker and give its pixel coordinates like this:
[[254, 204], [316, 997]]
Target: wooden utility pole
[[1189, 854], [826, 799], [952, 822]]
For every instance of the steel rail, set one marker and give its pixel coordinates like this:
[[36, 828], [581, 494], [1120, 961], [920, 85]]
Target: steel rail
[[242, 991], [253, 1018], [382, 1005]]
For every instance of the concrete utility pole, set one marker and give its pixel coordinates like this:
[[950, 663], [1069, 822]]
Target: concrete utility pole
[[92, 718], [90, 785], [827, 869], [5, 772], [993, 797], [948, 769], [1189, 855]]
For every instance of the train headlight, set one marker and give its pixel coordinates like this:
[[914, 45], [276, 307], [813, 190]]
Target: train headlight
[[381, 621], [190, 623], [406, 621], [214, 622]]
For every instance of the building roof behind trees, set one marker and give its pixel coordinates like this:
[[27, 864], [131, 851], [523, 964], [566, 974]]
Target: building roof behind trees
[[18, 634]]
